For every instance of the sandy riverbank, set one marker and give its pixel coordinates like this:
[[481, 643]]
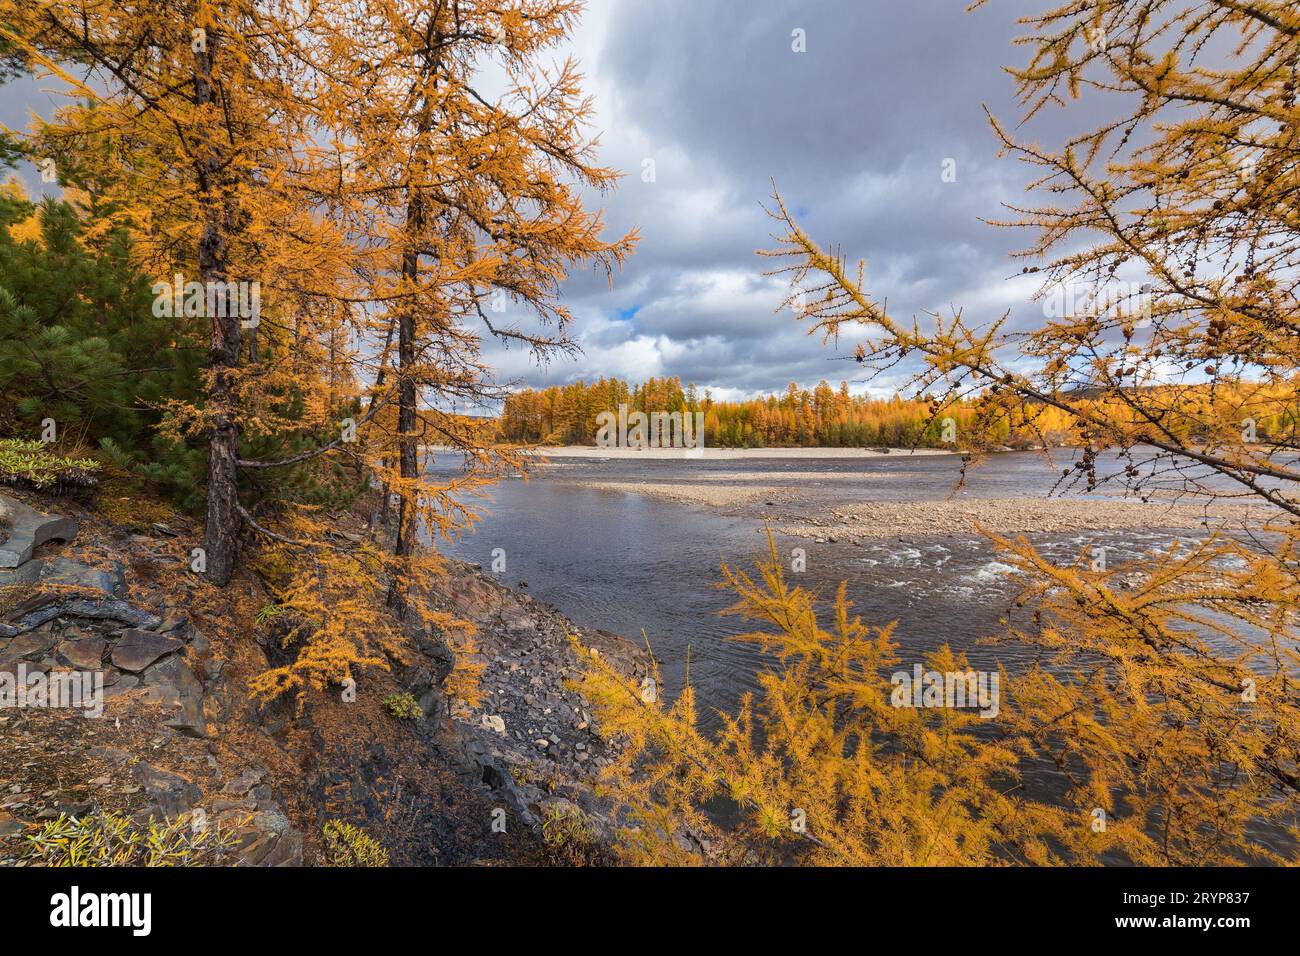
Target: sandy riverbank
[[793, 511], [712, 494], [880, 519]]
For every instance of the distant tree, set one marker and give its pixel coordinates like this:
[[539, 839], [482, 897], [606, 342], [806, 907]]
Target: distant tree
[[567, 414]]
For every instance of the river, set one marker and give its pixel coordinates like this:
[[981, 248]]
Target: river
[[648, 569], [638, 566]]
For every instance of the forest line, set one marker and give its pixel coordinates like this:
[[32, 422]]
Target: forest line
[[826, 417]]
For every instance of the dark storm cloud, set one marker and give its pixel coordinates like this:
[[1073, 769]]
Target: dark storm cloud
[[854, 131]]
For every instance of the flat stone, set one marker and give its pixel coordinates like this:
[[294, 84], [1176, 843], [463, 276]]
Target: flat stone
[[9, 825], [245, 782], [31, 646], [223, 806], [187, 634], [259, 844], [110, 580], [122, 685], [171, 793], [109, 609], [28, 573], [172, 684], [86, 653], [28, 529], [138, 649], [110, 755], [32, 603]]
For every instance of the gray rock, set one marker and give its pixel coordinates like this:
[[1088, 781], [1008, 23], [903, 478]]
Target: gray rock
[[430, 703], [122, 685], [100, 610], [28, 529], [31, 646], [28, 573], [268, 839], [110, 755], [172, 684], [287, 852], [9, 825], [171, 793], [110, 580], [138, 649], [245, 782], [442, 657], [499, 779], [192, 636], [171, 622], [32, 603]]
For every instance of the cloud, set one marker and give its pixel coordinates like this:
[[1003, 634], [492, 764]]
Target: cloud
[[855, 132]]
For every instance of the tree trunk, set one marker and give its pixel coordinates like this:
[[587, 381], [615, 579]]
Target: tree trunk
[[407, 390], [407, 396], [222, 521]]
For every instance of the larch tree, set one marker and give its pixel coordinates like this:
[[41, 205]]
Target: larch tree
[[1165, 693], [475, 211], [344, 156], [199, 111]]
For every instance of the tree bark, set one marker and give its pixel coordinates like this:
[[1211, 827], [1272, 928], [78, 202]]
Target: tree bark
[[407, 390], [222, 521], [407, 396]]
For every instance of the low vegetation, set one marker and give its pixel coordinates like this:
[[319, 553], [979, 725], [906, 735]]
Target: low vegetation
[[109, 838], [403, 706], [32, 464], [348, 845]]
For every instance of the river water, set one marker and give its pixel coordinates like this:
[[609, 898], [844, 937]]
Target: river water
[[648, 569], [637, 566]]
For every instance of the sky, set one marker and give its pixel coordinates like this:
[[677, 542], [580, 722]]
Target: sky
[[854, 131]]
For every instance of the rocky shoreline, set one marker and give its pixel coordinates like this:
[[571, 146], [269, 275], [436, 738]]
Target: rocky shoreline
[[726, 454], [179, 732], [530, 721], [919, 519]]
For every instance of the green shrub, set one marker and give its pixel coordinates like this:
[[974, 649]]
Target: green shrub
[[29, 464], [79, 343], [403, 706], [107, 838], [570, 838], [346, 845]]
